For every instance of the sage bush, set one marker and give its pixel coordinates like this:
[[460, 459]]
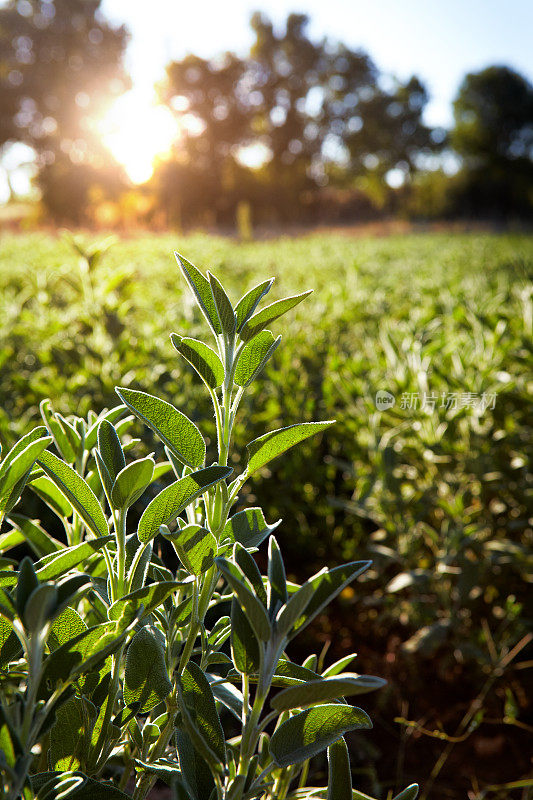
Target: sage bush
[[117, 669]]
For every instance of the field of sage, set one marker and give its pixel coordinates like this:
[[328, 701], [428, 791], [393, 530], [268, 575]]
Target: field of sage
[[420, 346]]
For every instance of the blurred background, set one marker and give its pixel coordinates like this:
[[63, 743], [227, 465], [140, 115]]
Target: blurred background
[[119, 114], [381, 154]]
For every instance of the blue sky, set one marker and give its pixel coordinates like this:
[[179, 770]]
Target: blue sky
[[440, 40]]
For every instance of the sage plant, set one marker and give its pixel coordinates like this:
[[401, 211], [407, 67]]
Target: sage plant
[[116, 670]]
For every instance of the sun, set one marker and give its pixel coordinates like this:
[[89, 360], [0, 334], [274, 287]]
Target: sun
[[136, 131]]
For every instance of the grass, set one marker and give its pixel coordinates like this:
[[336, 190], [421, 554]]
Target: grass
[[437, 498]]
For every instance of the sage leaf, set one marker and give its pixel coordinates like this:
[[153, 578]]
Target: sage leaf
[[201, 289], [195, 772], [409, 793], [67, 625], [308, 733], [248, 527], [225, 312], [38, 539], [268, 314], [175, 430], [50, 494], [270, 445], [150, 597], [195, 546], [131, 482], [253, 608], [277, 580], [339, 772], [254, 356], [200, 356], [110, 449], [70, 734], [77, 492], [244, 645], [249, 302], [56, 564], [146, 677], [324, 690], [200, 716], [170, 502]]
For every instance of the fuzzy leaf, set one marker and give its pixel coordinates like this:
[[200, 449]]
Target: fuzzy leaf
[[268, 314], [178, 433], [306, 734], [38, 539], [56, 564], [77, 492], [50, 494], [200, 356], [324, 690], [409, 793], [253, 608], [200, 716], [131, 482], [196, 774], [339, 772], [248, 527], [146, 677], [244, 646], [277, 580], [166, 506], [201, 289], [254, 356], [223, 306], [70, 734], [110, 449], [67, 625], [148, 596], [272, 444], [249, 302], [195, 546]]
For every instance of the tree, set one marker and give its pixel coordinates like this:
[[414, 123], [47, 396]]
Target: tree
[[60, 66], [493, 134], [315, 108]]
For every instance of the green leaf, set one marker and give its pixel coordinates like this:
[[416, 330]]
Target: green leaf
[[17, 471], [57, 430], [244, 645], [326, 585], [324, 690], [200, 716], [409, 793], [246, 563], [146, 677], [254, 356], [67, 625], [112, 415], [200, 356], [195, 546], [132, 547], [252, 607], [225, 312], [77, 492], [249, 302], [39, 607], [56, 564], [269, 314], [306, 734], [39, 540], [339, 772], [70, 735], [27, 582], [277, 580], [89, 788], [110, 449], [176, 430], [131, 482], [150, 597], [166, 506], [196, 774], [201, 289], [50, 494], [10, 645], [18, 447], [10, 746], [248, 527], [274, 443]]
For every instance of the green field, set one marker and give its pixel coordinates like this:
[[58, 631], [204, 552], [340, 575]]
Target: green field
[[435, 489]]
